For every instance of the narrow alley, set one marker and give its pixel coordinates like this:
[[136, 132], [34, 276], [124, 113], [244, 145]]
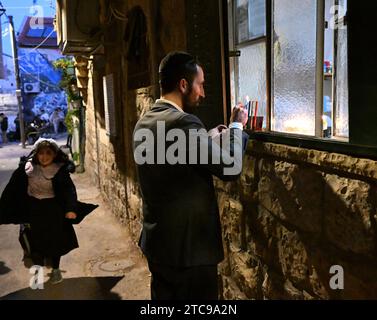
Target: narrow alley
[[107, 266], [291, 82]]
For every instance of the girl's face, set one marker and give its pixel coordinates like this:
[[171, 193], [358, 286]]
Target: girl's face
[[46, 156]]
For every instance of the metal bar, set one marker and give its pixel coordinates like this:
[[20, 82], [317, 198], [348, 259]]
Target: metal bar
[[269, 28], [272, 72], [235, 59], [224, 38], [251, 41], [335, 72], [319, 68]]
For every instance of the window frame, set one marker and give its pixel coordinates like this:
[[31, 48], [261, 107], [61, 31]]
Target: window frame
[[235, 53], [337, 145]]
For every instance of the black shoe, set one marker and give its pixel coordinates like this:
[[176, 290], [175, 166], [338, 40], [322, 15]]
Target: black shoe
[[56, 276]]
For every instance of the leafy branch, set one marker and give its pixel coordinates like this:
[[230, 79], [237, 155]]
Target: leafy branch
[[69, 119], [65, 65], [68, 83]]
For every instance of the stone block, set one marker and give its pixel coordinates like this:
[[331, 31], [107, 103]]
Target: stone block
[[292, 193], [349, 210], [247, 274], [293, 257], [231, 214], [247, 180], [230, 291], [273, 286], [325, 160], [294, 293]]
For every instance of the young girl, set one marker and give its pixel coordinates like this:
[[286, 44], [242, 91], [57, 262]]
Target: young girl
[[42, 194]]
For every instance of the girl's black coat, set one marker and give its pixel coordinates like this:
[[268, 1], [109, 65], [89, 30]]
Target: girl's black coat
[[14, 200]]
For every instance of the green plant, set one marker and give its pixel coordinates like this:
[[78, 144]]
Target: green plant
[[76, 157], [66, 66], [69, 119]]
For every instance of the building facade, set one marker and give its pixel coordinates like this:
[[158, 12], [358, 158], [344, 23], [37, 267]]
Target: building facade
[[305, 207], [40, 81]]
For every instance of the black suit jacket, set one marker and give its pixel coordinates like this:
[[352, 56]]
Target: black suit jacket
[[181, 226]]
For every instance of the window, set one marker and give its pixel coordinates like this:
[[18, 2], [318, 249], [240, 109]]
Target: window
[[248, 66], [341, 72], [335, 86], [294, 66], [289, 63], [251, 20]]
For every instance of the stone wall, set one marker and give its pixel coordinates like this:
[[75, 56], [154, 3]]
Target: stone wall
[[109, 161], [293, 215], [91, 133]]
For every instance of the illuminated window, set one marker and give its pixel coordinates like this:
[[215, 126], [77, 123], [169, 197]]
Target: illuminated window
[[291, 59]]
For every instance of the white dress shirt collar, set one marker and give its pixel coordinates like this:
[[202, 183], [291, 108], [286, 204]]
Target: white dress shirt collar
[[171, 103]]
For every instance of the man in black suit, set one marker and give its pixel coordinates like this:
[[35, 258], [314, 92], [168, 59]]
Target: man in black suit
[[181, 236]]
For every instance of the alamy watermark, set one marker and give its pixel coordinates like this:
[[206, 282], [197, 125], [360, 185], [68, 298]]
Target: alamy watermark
[[337, 280], [37, 280], [192, 147], [37, 17]]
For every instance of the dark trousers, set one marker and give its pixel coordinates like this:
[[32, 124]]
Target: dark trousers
[[38, 259], [194, 283]]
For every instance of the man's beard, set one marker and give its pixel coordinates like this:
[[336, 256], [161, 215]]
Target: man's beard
[[189, 106]]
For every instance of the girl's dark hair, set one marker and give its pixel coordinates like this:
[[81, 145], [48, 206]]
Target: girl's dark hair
[[61, 157], [175, 67]]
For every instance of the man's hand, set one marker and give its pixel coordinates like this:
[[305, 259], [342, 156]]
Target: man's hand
[[218, 130], [71, 215], [239, 114], [221, 128]]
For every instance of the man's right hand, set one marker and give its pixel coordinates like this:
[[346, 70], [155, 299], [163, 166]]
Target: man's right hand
[[216, 131], [239, 114]]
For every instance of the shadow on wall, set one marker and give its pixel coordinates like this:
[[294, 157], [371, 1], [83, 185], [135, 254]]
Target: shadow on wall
[[305, 222], [71, 289], [320, 223], [140, 102]]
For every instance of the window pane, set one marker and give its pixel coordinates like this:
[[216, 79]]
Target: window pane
[[232, 60], [251, 19], [328, 67], [341, 114], [294, 66], [252, 76], [257, 18]]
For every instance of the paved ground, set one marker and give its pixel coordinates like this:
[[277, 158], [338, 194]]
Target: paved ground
[[108, 265]]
